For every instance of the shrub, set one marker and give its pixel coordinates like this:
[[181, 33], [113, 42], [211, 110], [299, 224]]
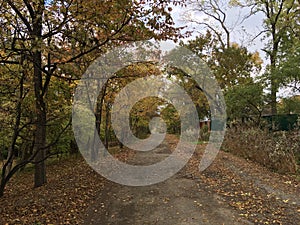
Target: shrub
[[278, 151], [204, 133]]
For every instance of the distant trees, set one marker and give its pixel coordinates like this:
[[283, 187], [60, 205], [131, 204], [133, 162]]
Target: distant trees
[[290, 105], [142, 112], [233, 66], [245, 102], [281, 34], [280, 17]]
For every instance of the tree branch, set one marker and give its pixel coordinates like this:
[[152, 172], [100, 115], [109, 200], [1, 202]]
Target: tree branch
[[15, 9], [30, 9]]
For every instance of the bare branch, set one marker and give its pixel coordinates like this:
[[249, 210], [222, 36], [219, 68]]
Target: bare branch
[[9, 62], [30, 9]]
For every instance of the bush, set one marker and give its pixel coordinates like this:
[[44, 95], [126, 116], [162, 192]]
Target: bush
[[3, 152], [204, 133], [284, 122], [278, 151]]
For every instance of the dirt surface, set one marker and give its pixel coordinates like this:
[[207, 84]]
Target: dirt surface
[[178, 200], [229, 192]]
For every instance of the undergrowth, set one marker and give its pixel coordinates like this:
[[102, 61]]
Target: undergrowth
[[278, 151]]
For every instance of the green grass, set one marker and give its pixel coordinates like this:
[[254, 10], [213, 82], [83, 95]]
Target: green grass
[[199, 142]]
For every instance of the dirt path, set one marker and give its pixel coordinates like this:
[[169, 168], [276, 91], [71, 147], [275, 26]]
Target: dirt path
[[178, 200], [231, 191]]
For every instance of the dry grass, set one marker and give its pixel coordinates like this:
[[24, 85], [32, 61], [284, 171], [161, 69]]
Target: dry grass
[[278, 151]]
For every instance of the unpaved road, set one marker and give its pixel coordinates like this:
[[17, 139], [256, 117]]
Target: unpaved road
[[231, 191]]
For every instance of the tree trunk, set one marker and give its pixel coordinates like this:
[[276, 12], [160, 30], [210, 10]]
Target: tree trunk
[[98, 116], [273, 79], [40, 131], [106, 138], [273, 97], [98, 113], [274, 82]]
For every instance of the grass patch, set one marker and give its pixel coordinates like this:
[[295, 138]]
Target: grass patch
[[199, 142]]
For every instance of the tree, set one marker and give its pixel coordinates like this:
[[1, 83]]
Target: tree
[[245, 102], [59, 38], [195, 92], [172, 119], [215, 19], [231, 63], [143, 110], [279, 17], [290, 105], [231, 66], [279, 27], [278, 14], [288, 70]]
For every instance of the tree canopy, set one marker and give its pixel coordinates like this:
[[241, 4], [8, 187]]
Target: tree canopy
[[46, 47]]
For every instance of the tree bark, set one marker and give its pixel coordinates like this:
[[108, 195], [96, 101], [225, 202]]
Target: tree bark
[[273, 79], [106, 127], [99, 106], [40, 132]]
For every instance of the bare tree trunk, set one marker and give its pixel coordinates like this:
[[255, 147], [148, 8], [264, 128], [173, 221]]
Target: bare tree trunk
[[40, 134], [98, 116], [274, 85], [106, 127], [99, 106]]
